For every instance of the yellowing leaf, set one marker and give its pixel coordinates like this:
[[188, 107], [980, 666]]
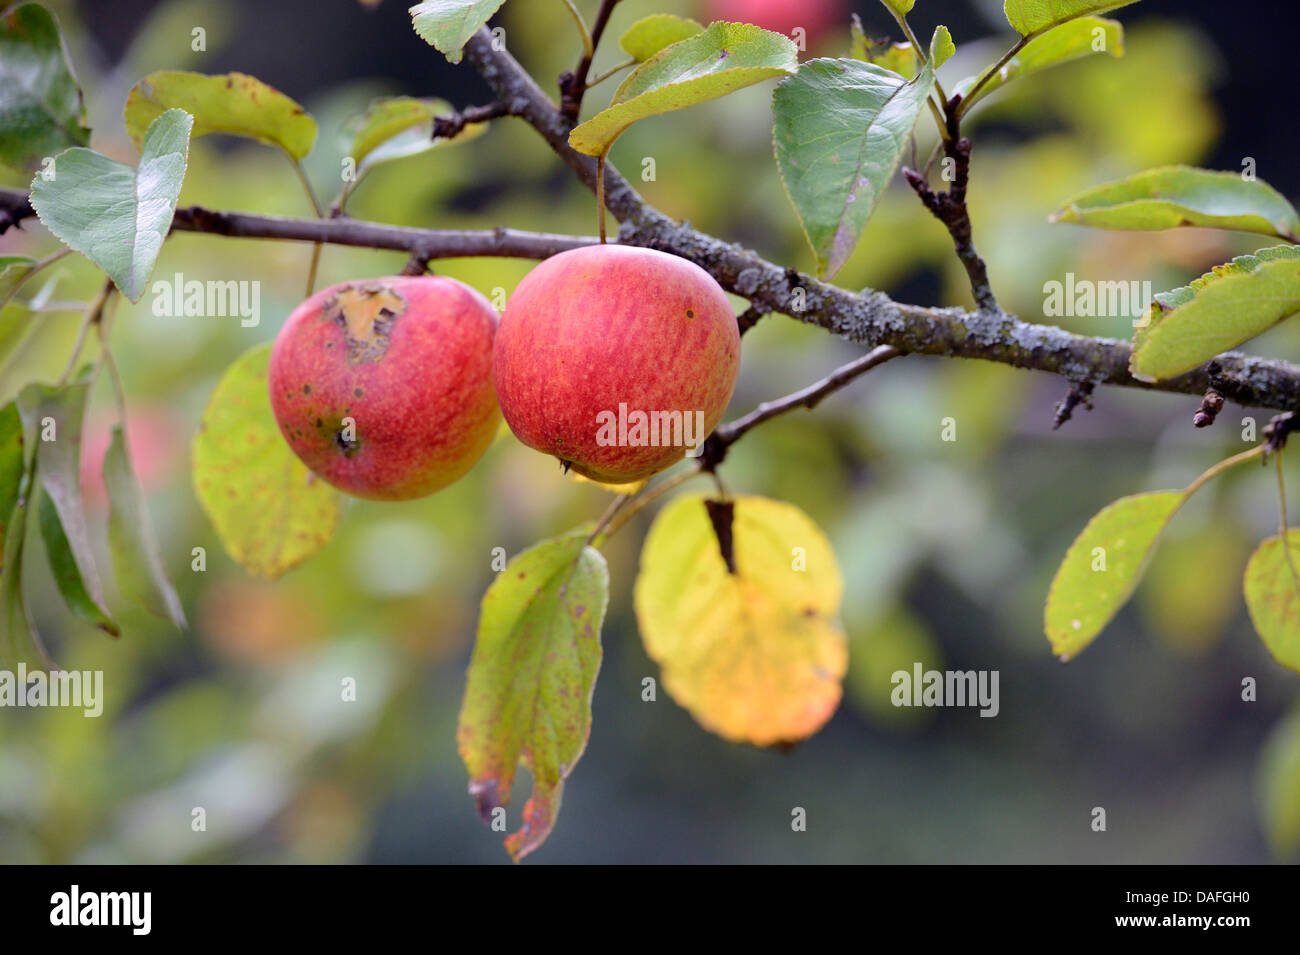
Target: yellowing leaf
[[651, 34], [1218, 311], [1273, 597], [756, 656], [233, 103], [631, 487], [400, 126], [528, 695], [1028, 17], [270, 512], [724, 58], [898, 58], [1103, 566]]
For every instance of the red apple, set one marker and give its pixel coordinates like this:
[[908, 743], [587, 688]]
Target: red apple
[[815, 17], [383, 387], [616, 360]]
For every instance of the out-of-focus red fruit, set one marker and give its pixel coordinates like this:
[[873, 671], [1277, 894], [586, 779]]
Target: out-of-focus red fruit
[[154, 439], [815, 17]]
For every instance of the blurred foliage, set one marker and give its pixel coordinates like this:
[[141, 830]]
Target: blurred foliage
[[946, 548]]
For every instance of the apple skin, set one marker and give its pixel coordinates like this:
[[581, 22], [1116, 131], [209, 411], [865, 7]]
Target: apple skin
[[409, 359], [817, 17], [602, 325]]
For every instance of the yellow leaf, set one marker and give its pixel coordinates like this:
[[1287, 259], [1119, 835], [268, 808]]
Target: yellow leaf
[[756, 656]]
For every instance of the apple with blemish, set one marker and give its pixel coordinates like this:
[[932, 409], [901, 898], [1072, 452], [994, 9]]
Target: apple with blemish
[[383, 387], [616, 360]]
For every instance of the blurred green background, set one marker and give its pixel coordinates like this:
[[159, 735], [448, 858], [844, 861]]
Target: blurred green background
[[947, 548]]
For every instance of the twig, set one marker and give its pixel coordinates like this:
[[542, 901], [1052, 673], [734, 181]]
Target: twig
[[950, 209], [453, 124], [92, 316], [718, 443], [1080, 393], [574, 85]]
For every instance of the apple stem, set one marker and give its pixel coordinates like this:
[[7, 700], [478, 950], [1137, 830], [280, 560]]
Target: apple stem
[[600, 195]]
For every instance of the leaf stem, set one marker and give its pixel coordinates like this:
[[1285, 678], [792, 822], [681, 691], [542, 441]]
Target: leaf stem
[[320, 214], [924, 56], [600, 195], [1224, 465], [988, 75], [1283, 532], [588, 47], [616, 505], [610, 72], [91, 317], [648, 494]]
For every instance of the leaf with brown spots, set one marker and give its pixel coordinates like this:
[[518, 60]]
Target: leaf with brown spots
[[233, 103], [270, 512], [528, 695]]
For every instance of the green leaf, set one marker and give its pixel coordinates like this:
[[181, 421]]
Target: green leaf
[[68, 575], [136, 563], [1070, 41], [115, 215], [14, 270], [12, 464], [528, 695], [19, 642], [232, 103], [841, 129], [941, 47], [448, 24], [1028, 17], [1182, 196], [53, 416], [1103, 566], [400, 126], [41, 110], [270, 512], [724, 58], [1279, 787], [651, 34], [1232, 304], [1272, 590]]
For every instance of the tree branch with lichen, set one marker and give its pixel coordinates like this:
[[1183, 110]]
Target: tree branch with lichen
[[869, 318]]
